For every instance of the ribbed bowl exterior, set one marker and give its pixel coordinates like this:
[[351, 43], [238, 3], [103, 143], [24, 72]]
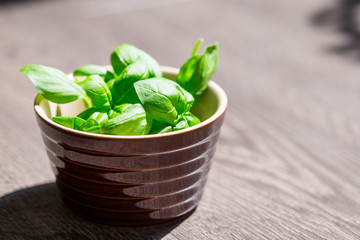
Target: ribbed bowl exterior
[[131, 182]]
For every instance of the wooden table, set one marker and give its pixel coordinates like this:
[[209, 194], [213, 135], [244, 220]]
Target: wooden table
[[288, 161]]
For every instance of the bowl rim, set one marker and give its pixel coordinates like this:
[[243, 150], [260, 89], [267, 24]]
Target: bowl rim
[[218, 91]]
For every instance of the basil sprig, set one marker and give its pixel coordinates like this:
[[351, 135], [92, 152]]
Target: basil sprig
[[134, 98], [196, 72]]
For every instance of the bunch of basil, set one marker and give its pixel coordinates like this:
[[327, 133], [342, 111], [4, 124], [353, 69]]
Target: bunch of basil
[[134, 98]]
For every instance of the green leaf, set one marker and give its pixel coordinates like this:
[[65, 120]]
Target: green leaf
[[187, 74], [121, 108], [94, 122], [133, 121], [162, 98], [87, 113], [189, 99], [113, 114], [90, 69], [149, 121], [166, 129], [160, 127], [123, 88], [98, 91], [110, 84], [99, 117], [191, 119], [126, 54], [109, 76], [196, 72], [91, 126], [70, 122], [53, 84], [181, 124]]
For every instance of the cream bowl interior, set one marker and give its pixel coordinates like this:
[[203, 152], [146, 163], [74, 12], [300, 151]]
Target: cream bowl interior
[[211, 105]]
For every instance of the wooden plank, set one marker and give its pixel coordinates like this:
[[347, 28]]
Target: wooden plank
[[286, 165]]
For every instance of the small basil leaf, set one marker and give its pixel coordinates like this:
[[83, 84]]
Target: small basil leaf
[[162, 98], [99, 117], [181, 124], [90, 69], [126, 54], [121, 108], [191, 119], [110, 83], [194, 75], [160, 127], [87, 113], [53, 84], [187, 76], [91, 125], [94, 122], [149, 121], [70, 122], [123, 88], [153, 65], [113, 114], [133, 121], [109, 76], [161, 130], [98, 91], [189, 99]]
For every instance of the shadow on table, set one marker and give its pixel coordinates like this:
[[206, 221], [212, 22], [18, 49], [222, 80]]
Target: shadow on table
[[4, 3], [38, 213], [344, 17]]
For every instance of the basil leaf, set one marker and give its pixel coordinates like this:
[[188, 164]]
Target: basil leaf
[[126, 54], [149, 121], [194, 75], [110, 84], [189, 99], [123, 88], [98, 91], [162, 98], [133, 121], [90, 69], [70, 122], [191, 119], [91, 125], [181, 124], [161, 130], [113, 114], [160, 127], [121, 108], [166, 129], [94, 122], [53, 84], [87, 113], [99, 117], [109, 76]]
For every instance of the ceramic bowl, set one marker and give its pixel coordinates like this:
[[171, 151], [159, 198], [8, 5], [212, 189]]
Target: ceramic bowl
[[132, 180]]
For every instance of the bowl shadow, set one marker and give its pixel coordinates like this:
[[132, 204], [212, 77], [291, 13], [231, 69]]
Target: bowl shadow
[[38, 213]]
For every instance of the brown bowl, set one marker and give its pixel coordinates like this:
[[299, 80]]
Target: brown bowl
[[132, 180]]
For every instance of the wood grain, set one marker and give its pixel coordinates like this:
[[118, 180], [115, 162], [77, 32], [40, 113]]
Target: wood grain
[[287, 163]]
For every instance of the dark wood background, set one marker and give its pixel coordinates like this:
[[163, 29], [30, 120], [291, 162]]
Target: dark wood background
[[288, 161]]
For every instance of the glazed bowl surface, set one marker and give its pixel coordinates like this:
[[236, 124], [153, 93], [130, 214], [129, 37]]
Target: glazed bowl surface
[[132, 180]]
